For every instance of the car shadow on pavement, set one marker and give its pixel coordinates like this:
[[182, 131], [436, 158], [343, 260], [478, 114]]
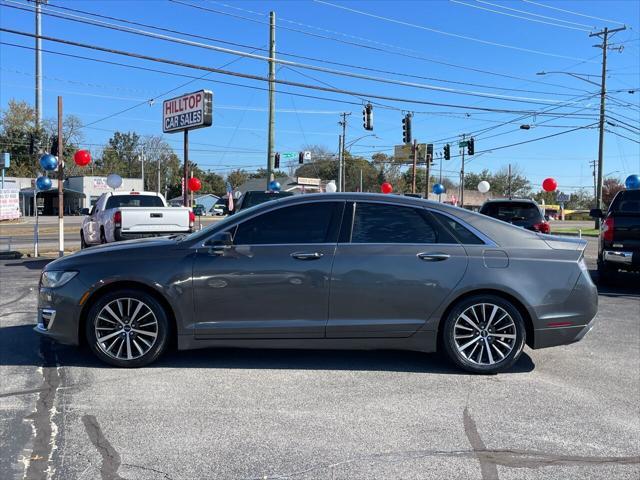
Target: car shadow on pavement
[[19, 346], [624, 283], [35, 264]]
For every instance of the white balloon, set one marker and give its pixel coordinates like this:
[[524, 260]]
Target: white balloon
[[483, 186], [331, 187], [114, 181]]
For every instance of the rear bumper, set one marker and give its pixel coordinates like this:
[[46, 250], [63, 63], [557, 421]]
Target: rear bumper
[[570, 321], [613, 256], [119, 235]]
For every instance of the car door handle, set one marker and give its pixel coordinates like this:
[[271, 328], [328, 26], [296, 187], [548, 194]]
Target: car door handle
[[306, 256], [433, 257]]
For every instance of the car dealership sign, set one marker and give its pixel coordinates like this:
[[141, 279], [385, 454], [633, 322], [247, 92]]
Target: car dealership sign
[[189, 111]]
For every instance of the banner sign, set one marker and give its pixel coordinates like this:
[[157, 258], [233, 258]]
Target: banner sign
[[189, 111], [9, 204], [100, 183]]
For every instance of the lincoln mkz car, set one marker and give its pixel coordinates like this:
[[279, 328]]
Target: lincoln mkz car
[[327, 271]]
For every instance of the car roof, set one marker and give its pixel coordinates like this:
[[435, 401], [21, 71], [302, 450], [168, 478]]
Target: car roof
[[511, 200]]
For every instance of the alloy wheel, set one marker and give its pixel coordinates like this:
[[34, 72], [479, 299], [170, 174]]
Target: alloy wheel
[[126, 329], [484, 334]]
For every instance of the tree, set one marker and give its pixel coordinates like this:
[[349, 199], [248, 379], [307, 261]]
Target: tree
[[237, 177], [610, 187], [122, 155], [22, 138], [262, 173], [499, 181]]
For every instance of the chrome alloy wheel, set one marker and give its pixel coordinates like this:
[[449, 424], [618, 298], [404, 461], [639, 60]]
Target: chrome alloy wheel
[[484, 334], [126, 329]]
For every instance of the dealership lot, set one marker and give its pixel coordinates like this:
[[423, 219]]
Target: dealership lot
[[567, 412]]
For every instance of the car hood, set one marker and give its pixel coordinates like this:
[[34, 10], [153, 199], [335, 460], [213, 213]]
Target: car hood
[[110, 249]]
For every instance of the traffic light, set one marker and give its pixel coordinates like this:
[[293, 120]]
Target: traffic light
[[276, 161], [54, 145], [447, 152], [406, 128], [367, 116], [470, 146], [430, 152], [301, 158]]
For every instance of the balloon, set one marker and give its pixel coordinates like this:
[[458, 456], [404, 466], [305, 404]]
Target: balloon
[[386, 187], [632, 182], [549, 184], [48, 162], [194, 184], [43, 183], [438, 188], [331, 187], [274, 186], [114, 181], [483, 186], [82, 158]]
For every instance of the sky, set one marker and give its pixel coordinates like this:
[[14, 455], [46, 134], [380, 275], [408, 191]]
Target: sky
[[463, 56]]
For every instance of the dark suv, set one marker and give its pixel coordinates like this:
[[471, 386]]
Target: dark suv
[[521, 212], [251, 198], [619, 246]]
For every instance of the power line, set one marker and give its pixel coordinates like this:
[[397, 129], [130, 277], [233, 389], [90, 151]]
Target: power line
[[572, 12], [415, 56], [257, 77], [555, 19], [456, 35], [515, 16], [421, 77], [622, 136], [251, 55]]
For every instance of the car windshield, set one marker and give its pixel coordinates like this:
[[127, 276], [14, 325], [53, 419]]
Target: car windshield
[[516, 212], [118, 201], [251, 199]]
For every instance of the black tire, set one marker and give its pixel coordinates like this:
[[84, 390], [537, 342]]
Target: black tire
[[83, 244], [162, 331], [103, 238], [606, 274], [459, 359]]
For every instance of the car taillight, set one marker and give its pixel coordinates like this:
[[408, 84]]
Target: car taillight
[[542, 227], [192, 219], [607, 230], [117, 219]]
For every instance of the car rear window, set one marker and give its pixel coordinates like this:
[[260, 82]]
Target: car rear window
[[627, 201], [256, 198], [118, 201], [512, 211]]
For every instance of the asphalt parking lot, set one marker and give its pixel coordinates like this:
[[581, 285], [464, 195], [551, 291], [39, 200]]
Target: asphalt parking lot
[[570, 412]]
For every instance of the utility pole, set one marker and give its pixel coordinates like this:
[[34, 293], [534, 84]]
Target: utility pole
[[158, 184], [142, 165], [593, 164], [185, 173], [509, 182], [272, 98], [60, 180], [604, 34], [462, 172], [440, 178], [428, 179], [39, 60], [415, 165], [341, 163]]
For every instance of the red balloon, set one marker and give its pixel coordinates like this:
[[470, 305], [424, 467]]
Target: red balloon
[[386, 187], [194, 184], [549, 184], [82, 158]]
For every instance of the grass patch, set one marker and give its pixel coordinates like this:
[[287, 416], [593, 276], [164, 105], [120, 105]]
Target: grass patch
[[586, 232]]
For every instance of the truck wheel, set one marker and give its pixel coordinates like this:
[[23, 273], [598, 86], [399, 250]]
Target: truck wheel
[[484, 334], [127, 328], [103, 238], [83, 244], [605, 273]]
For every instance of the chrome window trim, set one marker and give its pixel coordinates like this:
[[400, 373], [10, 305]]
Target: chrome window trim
[[488, 241]]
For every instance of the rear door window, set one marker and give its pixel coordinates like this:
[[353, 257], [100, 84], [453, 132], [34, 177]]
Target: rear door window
[[380, 223]]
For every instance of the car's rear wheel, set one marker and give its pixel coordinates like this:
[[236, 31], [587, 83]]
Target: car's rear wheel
[[484, 334], [127, 328], [83, 243], [103, 237], [606, 273]]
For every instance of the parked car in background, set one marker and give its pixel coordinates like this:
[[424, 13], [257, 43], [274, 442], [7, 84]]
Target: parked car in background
[[251, 198], [219, 210], [519, 212], [199, 211], [619, 246], [127, 215], [353, 271]]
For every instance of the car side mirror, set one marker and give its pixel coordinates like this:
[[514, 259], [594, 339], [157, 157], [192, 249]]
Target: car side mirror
[[596, 213], [220, 241]]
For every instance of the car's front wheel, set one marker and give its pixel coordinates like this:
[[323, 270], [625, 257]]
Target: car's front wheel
[[127, 328], [484, 334]]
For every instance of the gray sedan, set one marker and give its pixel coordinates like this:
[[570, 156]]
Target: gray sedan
[[334, 271]]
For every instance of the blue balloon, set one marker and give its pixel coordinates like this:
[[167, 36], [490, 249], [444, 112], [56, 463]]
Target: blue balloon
[[48, 162], [438, 188], [43, 183], [632, 182], [274, 186]]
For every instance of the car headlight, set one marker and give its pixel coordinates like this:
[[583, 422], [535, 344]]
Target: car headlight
[[56, 278]]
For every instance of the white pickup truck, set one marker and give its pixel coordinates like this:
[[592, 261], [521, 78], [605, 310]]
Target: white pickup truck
[[127, 215]]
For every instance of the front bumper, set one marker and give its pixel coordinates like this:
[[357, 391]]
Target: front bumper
[[59, 312]]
